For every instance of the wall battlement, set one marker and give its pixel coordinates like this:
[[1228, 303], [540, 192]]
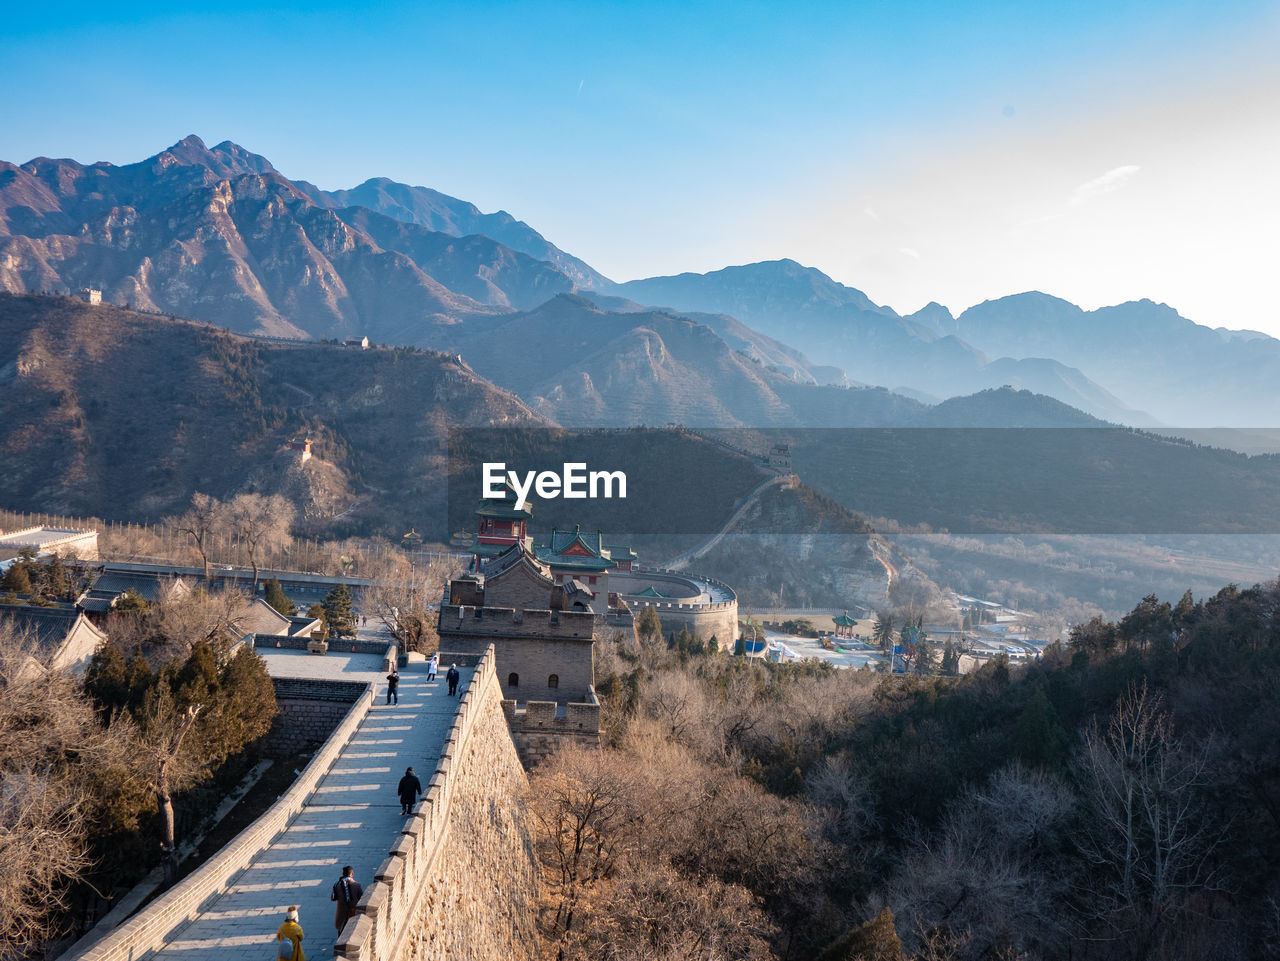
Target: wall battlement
[[681, 607], [436, 894], [564, 625], [538, 728]]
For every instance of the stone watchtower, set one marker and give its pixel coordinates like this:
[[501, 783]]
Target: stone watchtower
[[543, 635], [780, 458]]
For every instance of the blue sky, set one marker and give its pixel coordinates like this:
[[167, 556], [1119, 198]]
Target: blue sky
[[919, 151]]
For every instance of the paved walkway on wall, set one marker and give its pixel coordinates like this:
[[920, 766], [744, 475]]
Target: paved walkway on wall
[[353, 818]]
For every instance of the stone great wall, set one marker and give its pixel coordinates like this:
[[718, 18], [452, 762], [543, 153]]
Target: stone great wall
[[461, 880], [458, 879]]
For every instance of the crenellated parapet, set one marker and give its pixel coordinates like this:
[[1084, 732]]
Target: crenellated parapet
[[479, 621], [540, 728]]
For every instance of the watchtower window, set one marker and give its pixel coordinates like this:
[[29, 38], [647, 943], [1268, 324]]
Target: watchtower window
[[553, 680], [513, 680]]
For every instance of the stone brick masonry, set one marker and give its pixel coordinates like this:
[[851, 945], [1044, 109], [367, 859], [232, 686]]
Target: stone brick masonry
[[477, 903], [302, 725]]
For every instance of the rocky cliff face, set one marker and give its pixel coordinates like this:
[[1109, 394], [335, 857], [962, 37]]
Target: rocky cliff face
[[583, 366], [221, 236], [449, 215]]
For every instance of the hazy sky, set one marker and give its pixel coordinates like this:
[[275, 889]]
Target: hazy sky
[[1098, 151]]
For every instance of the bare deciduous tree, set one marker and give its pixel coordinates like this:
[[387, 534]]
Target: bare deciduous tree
[[53, 756], [847, 794], [656, 914], [683, 709], [1150, 833], [262, 523], [984, 881], [405, 595], [632, 869], [184, 621], [42, 849], [587, 813], [167, 768], [205, 518]]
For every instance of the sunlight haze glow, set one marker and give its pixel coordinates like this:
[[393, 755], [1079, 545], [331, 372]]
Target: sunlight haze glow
[[1098, 152]]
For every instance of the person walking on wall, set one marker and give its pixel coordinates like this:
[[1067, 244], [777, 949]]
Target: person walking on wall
[[433, 666], [393, 686], [289, 935], [452, 678], [346, 892], [409, 788]]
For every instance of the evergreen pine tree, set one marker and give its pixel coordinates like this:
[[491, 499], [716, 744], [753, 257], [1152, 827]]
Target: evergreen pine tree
[[1184, 610], [339, 612], [950, 660], [16, 579], [275, 596], [926, 655], [648, 626], [883, 630], [56, 581]]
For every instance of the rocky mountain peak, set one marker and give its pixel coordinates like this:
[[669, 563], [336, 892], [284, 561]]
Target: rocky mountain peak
[[226, 160]]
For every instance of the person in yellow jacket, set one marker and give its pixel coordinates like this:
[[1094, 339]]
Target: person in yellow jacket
[[291, 932]]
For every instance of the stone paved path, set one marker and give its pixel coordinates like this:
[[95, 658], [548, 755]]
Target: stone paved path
[[352, 818]]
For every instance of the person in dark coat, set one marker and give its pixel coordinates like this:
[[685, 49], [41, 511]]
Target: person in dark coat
[[347, 892], [393, 686], [452, 678], [409, 789]]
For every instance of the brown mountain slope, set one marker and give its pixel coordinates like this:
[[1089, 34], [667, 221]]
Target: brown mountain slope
[[111, 413], [816, 550]]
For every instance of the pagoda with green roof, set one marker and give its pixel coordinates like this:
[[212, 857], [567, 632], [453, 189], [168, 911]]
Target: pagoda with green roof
[[575, 551], [844, 624]]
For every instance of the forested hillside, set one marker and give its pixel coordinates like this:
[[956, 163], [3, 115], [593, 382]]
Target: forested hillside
[[1116, 800]]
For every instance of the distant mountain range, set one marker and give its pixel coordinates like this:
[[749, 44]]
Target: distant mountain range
[[581, 366], [1190, 374], [217, 234], [873, 344]]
